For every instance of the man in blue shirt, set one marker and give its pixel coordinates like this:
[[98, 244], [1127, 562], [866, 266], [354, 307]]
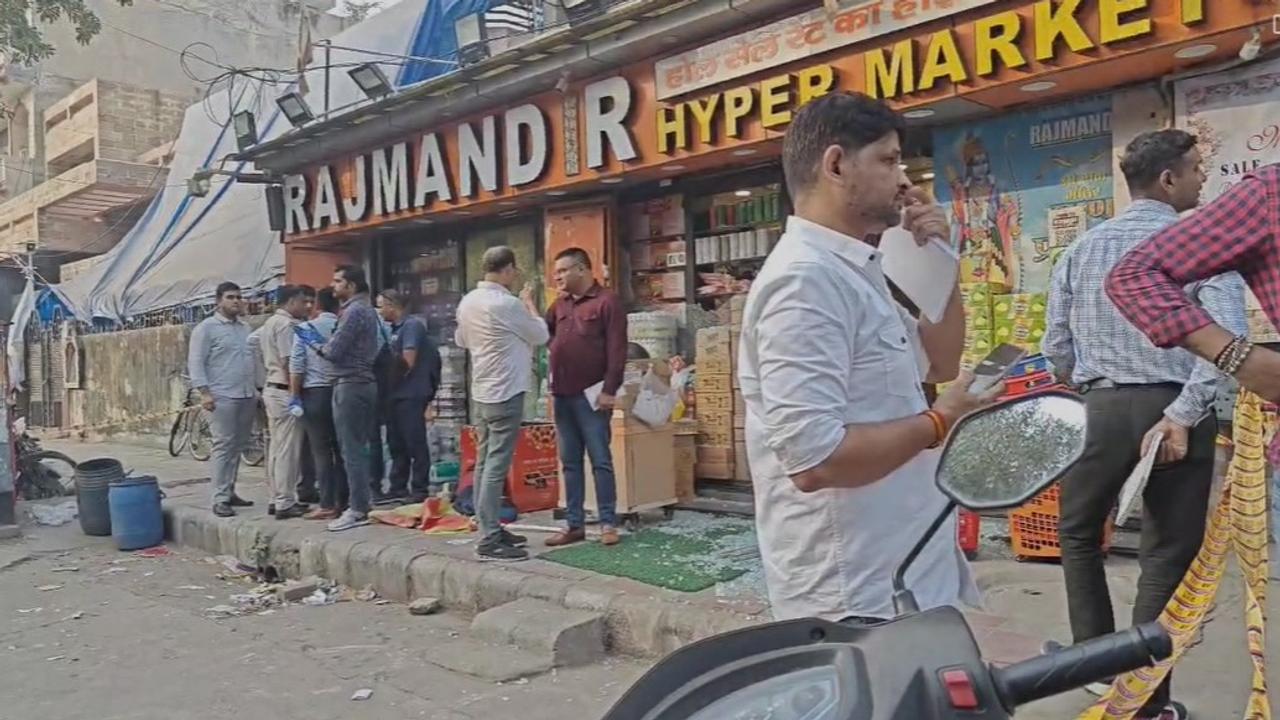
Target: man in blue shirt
[[311, 380], [414, 377]]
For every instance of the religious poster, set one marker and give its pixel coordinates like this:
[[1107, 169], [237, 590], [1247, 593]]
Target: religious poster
[[1008, 180], [1236, 115]]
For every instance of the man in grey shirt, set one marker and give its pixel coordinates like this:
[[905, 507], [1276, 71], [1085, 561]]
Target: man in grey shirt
[[352, 350], [222, 370]]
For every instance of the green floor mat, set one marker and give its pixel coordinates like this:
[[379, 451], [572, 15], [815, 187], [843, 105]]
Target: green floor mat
[[688, 556]]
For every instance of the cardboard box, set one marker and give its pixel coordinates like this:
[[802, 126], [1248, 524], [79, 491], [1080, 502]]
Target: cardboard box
[[735, 341], [714, 339], [716, 455], [712, 436], [709, 471], [737, 306], [707, 383], [739, 404], [715, 365], [741, 465], [686, 460], [673, 285], [721, 402]]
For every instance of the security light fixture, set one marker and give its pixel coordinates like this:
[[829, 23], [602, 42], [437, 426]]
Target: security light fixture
[[581, 10], [473, 39], [246, 128], [371, 81], [295, 109]]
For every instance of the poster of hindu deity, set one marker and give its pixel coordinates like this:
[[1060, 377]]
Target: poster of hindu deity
[[1006, 182]]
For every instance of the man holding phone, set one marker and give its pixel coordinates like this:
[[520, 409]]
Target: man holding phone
[[842, 441], [1135, 394]]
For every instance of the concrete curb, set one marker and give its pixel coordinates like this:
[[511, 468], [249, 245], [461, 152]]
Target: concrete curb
[[642, 626]]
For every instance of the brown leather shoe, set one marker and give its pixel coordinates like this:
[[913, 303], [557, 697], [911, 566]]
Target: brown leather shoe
[[322, 514], [609, 537], [567, 537]]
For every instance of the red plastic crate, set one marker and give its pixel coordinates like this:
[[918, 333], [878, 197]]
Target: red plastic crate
[[533, 484]]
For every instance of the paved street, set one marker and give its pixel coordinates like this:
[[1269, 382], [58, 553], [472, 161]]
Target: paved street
[[128, 637], [145, 647]]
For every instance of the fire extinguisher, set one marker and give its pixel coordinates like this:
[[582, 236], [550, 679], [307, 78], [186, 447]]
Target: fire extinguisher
[[967, 526]]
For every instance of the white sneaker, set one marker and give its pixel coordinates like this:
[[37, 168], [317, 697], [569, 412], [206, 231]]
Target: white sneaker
[[349, 519]]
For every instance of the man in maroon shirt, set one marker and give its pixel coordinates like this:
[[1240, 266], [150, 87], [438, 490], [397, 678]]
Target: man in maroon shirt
[[588, 328], [1238, 231]]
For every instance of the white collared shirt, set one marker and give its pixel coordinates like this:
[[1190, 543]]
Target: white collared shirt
[[501, 335], [825, 346]]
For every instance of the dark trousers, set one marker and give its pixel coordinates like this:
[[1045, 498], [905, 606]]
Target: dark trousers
[[377, 463], [1175, 509], [407, 440], [307, 480], [579, 430], [322, 440]]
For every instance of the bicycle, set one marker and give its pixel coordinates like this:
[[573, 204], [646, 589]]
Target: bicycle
[[191, 428]]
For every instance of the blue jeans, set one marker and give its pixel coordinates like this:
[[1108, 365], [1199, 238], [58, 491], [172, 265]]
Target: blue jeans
[[354, 407], [497, 430], [580, 428]]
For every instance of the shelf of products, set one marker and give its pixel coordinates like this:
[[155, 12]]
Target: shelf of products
[[733, 233], [432, 278]]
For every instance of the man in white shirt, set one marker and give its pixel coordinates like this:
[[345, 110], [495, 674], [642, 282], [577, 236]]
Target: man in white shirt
[[501, 333], [839, 433]]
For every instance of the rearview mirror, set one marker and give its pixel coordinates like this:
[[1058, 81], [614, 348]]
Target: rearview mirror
[[1003, 456]]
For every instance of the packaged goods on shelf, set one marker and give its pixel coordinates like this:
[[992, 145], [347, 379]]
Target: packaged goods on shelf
[[1020, 319], [657, 332]]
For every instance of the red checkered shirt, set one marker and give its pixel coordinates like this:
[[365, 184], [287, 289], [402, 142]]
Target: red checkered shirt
[[1238, 231]]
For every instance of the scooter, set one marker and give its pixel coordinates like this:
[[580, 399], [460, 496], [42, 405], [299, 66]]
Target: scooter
[[920, 665]]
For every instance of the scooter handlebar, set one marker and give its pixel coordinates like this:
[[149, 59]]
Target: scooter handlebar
[[1078, 665]]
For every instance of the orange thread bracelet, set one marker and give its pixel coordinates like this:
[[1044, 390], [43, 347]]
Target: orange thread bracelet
[[939, 427]]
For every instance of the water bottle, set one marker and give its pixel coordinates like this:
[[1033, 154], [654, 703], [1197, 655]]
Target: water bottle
[[295, 407]]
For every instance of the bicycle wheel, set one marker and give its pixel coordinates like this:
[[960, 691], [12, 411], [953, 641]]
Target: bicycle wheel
[[58, 471], [180, 433], [201, 434], [256, 452]]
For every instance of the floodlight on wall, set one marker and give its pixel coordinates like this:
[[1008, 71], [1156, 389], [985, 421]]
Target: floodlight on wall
[[295, 109], [580, 10], [246, 128], [473, 39], [371, 81]]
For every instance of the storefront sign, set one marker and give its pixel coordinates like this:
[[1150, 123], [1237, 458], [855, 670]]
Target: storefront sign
[[494, 153], [796, 38], [920, 64]]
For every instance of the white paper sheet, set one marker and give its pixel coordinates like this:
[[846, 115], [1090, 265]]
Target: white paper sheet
[[1136, 483], [593, 394], [925, 274]]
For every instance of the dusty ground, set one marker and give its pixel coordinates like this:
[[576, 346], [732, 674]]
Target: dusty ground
[[127, 637]]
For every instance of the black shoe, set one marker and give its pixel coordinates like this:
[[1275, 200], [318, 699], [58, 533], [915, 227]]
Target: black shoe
[[296, 510], [223, 510], [500, 552], [271, 509], [237, 501], [416, 498], [310, 498], [391, 498], [515, 541]]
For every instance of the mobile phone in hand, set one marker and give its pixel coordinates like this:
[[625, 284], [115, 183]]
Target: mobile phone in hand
[[995, 367]]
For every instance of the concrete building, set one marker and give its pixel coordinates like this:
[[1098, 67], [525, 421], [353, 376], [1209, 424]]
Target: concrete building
[[85, 136]]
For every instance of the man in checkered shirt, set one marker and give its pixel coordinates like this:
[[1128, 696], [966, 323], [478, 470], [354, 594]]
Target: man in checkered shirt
[[1135, 392], [1240, 231]]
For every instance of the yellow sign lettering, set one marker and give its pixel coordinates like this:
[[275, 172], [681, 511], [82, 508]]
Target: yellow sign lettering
[[704, 112], [997, 36], [738, 104], [673, 130], [1060, 22], [812, 83], [775, 96], [892, 76], [942, 61], [1112, 27], [1191, 11]]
